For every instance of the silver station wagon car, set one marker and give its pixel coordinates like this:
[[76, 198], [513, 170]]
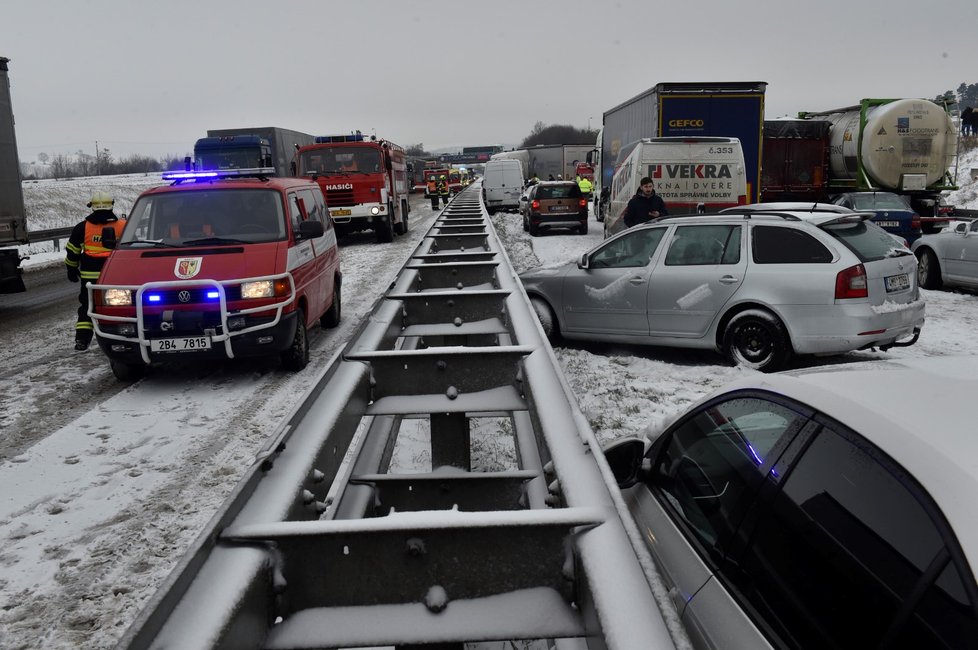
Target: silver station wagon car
[[949, 258], [757, 283]]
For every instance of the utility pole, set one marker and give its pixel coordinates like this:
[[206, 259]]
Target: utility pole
[[98, 163]]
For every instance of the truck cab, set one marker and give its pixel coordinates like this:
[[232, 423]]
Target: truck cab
[[365, 182], [219, 264]]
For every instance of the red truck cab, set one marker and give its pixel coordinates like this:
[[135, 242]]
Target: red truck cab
[[219, 264]]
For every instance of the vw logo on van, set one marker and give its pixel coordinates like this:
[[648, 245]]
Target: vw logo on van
[[183, 296]]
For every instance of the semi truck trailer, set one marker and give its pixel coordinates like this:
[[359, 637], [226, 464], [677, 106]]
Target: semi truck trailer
[[13, 219]]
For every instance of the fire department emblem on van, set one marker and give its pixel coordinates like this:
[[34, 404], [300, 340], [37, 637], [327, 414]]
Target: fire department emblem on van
[[187, 267]]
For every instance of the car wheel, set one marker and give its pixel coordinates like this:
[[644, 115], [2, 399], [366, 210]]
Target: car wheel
[[546, 317], [491, 211], [127, 372], [534, 229], [928, 269], [526, 224], [582, 229], [331, 318], [756, 339], [297, 356]]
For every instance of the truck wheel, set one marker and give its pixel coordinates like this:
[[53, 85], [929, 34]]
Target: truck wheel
[[928, 269], [331, 318], [405, 211], [297, 356], [756, 339], [127, 372]]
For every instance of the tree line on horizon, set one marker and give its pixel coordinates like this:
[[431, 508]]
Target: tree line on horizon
[[104, 164]]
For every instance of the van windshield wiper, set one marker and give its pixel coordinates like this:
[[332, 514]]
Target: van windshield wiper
[[203, 241], [156, 243]]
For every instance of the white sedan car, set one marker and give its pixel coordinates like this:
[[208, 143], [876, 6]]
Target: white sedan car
[[948, 258], [817, 509]]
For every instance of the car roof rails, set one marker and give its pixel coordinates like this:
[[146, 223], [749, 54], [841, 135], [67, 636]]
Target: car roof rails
[[261, 173]]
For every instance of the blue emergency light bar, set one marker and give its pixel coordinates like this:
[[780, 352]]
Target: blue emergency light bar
[[352, 137], [205, 174]]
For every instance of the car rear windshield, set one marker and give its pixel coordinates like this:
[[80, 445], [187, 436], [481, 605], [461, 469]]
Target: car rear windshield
[[558, 192], [864, 238], [882, 201]]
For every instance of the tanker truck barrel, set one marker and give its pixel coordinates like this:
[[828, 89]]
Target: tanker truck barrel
[[902, 145]]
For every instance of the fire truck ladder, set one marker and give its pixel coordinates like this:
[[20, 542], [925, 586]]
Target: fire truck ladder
[[327, 543]]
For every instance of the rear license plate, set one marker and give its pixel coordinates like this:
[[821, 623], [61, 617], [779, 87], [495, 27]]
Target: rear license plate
[[559, 208], [887, 224], [180, 345], [897, 282], [339, 213]]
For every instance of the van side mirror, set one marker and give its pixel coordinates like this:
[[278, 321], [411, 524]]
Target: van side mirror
[[108, 237], [310, 229]]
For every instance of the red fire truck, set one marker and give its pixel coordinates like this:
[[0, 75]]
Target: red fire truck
[[364, 180]]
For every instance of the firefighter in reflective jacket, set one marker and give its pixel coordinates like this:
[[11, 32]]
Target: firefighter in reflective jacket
[[85, 256], [443, 191], [433, 192]]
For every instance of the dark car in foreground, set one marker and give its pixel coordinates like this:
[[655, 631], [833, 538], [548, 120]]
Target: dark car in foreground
[[893, 212], [815, 509]]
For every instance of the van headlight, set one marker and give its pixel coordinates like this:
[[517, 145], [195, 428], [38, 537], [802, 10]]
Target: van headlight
[[260, 289], [118, 297]]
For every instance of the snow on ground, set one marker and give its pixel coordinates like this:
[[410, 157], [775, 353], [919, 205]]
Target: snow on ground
[[65, 501]]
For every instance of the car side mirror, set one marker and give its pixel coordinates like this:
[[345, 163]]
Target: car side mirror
[[961, 228], [108, 237], [583, 262], [625, 457], [311, 229]]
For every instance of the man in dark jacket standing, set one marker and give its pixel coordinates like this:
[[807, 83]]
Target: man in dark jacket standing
[[85, 256], [645, 205]]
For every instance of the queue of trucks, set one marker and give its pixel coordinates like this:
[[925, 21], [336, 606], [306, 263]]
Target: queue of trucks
[[904, 146]]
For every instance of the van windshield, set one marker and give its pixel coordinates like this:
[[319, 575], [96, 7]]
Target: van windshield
[[212, 216]]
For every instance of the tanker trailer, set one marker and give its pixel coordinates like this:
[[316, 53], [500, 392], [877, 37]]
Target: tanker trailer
[[905, 146]]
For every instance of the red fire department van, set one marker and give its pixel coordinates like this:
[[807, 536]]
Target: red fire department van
[[225, 264], [365, 182]]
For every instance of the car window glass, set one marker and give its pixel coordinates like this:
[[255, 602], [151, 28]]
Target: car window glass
[[634, 248], [715, 461], [844, 544], [706, 244], [974, 226], [864, 238], [312, 207], [558, 192], [780, 245], [879, 201]]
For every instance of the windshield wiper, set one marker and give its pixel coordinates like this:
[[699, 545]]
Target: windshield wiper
[[214, 240], [156, 243]]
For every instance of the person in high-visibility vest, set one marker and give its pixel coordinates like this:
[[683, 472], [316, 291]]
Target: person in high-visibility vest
[[443, 190], [586, 186], [85, 256], [432, 192]]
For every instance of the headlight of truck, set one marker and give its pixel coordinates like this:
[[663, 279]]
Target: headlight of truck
[[260, 289], [375, 210], [118, 297]]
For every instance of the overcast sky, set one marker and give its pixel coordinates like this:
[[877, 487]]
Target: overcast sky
[[152, 77]]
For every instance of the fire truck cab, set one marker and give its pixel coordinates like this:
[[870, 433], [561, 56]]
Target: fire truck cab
[[364, 180], [219, 264]]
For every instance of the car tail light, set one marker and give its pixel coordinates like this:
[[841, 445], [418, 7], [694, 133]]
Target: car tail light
[[535, 205], [851, 283], [915, 222], [582, 203]]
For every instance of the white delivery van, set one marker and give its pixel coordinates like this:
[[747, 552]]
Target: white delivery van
[[691, 174], [502, 184]]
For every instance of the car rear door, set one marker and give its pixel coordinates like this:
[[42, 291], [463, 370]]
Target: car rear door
[[961, 251], [702, 269]]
